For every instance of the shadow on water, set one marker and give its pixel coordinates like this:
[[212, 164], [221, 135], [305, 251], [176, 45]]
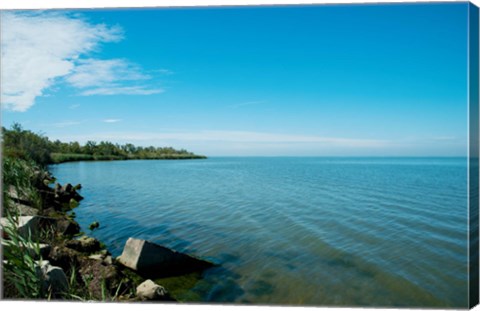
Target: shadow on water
[[219, 285], [261, 288]]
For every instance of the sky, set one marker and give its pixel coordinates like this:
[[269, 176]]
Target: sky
[[323, 80]]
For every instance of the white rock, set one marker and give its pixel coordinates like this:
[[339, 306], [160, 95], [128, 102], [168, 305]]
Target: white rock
[[140, 254], [151, 291], [97, 257]]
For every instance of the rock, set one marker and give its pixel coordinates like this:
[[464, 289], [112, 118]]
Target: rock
[[26, 225], [42, 179], [84, 244], [97, 257], [108, 260], [48, 199], [154, 260], [54, 280], [148, 290], [67, 188], [25, 210], [57, 188], [101, 279], [64, 257], [94, 225], [45, 250], [18, 194], [67, 227], [64, 195]]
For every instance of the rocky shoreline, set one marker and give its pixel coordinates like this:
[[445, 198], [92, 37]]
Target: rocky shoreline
[[74, 266]]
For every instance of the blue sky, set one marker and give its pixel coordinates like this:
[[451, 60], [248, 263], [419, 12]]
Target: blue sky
[[348, 80]]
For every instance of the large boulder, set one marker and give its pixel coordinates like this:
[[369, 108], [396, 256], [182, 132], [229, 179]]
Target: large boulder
[[154, 260], [148, 290], [67, 226]]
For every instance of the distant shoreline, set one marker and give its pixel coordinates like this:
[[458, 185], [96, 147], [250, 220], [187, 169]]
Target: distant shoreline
[[58, 158]]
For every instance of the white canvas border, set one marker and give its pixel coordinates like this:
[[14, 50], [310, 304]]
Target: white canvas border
[[60, 4]]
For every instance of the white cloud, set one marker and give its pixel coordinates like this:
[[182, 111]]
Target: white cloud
[[112, 120], [39, 49], [121, 90], [93, 72], [107, 77]]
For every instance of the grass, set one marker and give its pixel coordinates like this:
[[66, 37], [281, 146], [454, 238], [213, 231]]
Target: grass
[[21, 275], [20, 269], [69, 157], [21, 175]]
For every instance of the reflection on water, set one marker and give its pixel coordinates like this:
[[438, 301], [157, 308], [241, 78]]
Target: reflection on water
[[314, 231]]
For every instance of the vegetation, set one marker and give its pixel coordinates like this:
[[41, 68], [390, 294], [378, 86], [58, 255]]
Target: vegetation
[[21, 278], [27, 191], [24, 144], [23, 182]]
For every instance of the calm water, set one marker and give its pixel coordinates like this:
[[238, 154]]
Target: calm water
[[322, 231]]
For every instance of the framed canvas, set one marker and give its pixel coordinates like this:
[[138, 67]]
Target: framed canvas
[[321, 155]]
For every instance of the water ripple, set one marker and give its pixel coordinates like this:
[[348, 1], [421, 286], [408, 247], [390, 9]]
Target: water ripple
[[312, 231]]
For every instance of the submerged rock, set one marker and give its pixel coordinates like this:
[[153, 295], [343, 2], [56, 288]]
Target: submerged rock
[[154, 260], [149, 290]]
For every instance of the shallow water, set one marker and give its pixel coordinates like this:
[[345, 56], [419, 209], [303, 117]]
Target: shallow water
[[314, 231]]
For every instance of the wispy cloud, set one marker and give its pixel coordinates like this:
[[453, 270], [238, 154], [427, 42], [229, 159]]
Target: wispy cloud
[[165, 71], [75, 106], [121, 90], [112, 120], [41, 49], [66, 123], [109, 77], [249, 103]]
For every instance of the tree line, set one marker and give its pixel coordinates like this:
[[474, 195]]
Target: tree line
[[25, 144]]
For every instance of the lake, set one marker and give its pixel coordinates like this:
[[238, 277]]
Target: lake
[[293, 230]]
